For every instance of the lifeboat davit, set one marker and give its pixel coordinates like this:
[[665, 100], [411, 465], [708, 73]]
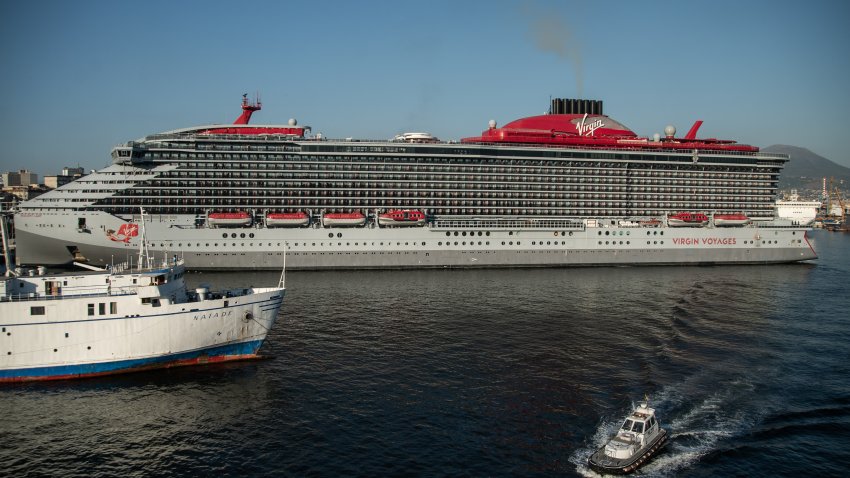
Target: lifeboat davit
[[287, 219], [687, 219], [726, 220], [638, 439], [343, 219], [229, 219], [650, 223], [402, 217]]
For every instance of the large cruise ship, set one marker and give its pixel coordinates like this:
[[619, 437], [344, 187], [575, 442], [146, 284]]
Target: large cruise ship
[[572, 187]]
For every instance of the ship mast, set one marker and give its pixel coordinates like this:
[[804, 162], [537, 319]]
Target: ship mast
[[248, 108], [6, 248]]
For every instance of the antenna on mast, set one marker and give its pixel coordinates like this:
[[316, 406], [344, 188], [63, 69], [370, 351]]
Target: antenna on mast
[[248, 108]]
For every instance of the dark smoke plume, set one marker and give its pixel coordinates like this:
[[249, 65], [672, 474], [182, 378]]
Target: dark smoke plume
[[552, 34]]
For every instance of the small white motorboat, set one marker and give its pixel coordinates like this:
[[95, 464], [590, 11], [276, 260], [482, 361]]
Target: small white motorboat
[[638, 439]]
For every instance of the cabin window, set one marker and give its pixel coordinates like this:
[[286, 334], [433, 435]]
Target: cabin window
[[638, 427], [37, 310], [91, 309], [101, 308], [113, 307], [627, 426]]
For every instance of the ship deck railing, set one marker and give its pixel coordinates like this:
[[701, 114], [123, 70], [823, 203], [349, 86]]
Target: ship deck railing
[[291, 138], [495, 224], [35, 296]]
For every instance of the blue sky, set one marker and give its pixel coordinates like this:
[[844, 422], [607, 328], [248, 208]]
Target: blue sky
[[81, 77]]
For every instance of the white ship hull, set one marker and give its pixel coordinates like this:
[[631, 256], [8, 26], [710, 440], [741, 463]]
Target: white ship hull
[[800, 212], [54, 238], [66, 342]]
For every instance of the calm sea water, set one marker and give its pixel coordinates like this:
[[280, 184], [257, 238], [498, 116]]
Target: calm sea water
[[481, 373]]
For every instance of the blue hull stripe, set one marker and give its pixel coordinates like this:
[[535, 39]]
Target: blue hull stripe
[[242, 348]]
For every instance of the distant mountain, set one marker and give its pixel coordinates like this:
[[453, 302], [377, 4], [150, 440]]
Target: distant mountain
[[806, 169]]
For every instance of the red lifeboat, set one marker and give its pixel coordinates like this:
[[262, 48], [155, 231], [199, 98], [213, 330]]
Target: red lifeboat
[[687, 219], [402, 217], [343, 219], [727, 220], [287, 219], [229, 219]]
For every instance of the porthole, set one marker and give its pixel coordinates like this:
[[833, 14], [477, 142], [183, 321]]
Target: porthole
[[224, 235], [331, 235], [251, 235], [233, 236], [242, 235], [339, 234]]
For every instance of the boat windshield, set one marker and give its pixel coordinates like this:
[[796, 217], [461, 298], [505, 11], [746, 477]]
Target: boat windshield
[[633, 426]]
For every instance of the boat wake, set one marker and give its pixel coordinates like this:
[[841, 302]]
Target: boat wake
[[697, 429]]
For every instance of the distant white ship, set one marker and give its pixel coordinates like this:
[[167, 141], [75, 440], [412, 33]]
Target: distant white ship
[[799, 211]]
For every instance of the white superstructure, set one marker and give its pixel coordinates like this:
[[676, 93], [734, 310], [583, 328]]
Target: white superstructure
[[798, 211]]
